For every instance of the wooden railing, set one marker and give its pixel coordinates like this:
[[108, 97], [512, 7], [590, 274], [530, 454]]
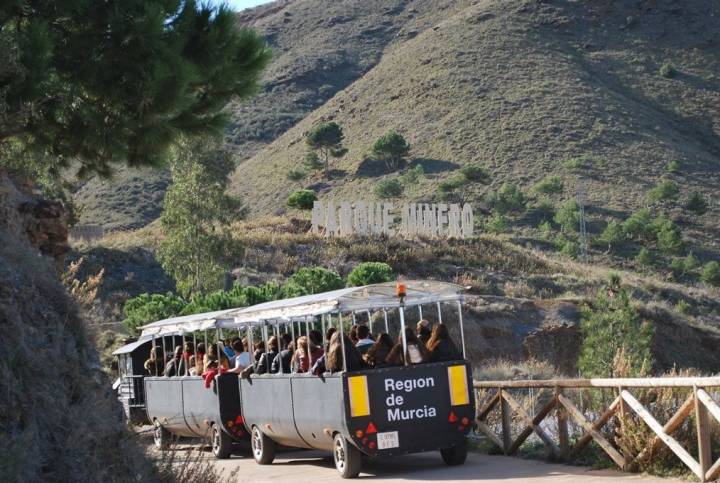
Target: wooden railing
[[558, 405]]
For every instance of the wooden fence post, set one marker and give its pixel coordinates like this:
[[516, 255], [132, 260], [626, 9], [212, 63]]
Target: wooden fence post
[[703, 436], [506, 415], [562, 422]]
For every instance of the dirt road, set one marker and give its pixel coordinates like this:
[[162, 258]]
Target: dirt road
[[304, 466]]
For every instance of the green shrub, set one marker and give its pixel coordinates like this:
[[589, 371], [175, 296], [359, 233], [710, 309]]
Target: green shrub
[[665, 190], [389, 188], [544, 209], [568, 217], [570, 248], [312, 161], [683, 307], [637, 226], [508, 199], [612, 329], [310, 280], [669, 238], [711, 273], [475, 174], [550, 185], [612, 235], [672, 167], [696, 203], [497, 223], [667, 70], [302, 199], [296, 174], [452, 189], [574, 165], [644, 257], [546, 229], [146, 308], [370, 272], [412, 176]]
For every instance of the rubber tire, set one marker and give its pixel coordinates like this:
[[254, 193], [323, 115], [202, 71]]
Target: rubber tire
[[222, 444], [161, 436], [347, 458], [456, 455], [263, 448]]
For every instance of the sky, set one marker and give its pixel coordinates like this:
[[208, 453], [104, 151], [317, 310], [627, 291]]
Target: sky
[[242, 4]]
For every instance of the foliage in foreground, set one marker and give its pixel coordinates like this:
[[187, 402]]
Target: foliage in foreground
[[612, 328]]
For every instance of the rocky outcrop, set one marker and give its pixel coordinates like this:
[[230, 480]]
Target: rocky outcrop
[[40, 222], [556, 344]]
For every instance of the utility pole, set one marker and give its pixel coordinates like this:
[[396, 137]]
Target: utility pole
[[583, 229]]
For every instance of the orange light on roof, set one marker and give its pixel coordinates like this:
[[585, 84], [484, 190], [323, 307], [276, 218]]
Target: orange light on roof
[[400, 289]]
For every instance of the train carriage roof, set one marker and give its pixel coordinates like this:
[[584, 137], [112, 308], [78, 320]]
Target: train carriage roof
[[351, 299]]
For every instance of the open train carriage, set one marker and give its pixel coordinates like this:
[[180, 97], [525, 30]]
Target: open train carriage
[[374, 412], [181, 406]]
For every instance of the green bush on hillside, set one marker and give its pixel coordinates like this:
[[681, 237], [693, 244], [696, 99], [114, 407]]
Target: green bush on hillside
[[296, 175], [550, 185], [644, 257], [637, 226], [568, 217], [544, 209], [475, 174], [413, 176], [310, 280], [669, 238], [665, 190], [672, 167], [370, 272], [508, 199], [696, 203], [302, 199], [391, 149], [612, 235], [389, 188], [667, 70], [612, 329], [711, 273], [497, 223]]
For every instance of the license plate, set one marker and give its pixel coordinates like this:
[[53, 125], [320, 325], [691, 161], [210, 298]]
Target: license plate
[[388, 440]]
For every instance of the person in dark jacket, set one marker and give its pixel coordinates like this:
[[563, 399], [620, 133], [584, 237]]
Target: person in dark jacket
[[334, 359], [441, 346], [267, 357], [281, 363], [175, 366]]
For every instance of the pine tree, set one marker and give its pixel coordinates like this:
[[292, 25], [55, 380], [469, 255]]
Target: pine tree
[[195, 218], [106, 83], [392, 149], [326, 138]]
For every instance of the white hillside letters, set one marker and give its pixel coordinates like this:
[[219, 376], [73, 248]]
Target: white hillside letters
[[430, 220]]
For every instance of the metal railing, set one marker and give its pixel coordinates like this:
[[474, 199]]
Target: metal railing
[[556, 404]]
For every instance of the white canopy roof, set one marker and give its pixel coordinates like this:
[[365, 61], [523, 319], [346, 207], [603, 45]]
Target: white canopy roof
[[351, 299]]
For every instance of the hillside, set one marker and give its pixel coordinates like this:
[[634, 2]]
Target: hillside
[[319, 48], [522, 87]]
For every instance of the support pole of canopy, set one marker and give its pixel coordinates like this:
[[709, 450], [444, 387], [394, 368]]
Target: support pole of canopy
[[342, 340], [152, 350], [420, 311], [462, 330], [387, 327], [186, 363], [402, 333], [322, 323], [308, 344], [292, 330], [206, 343], [252, 347], [369, 321], [307, 327], [439, 313], [164, 354], [353, 317]]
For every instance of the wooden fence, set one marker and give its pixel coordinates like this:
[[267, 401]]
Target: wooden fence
[[558, 405]]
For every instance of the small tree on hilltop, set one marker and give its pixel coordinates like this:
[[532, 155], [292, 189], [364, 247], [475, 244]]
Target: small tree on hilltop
[[326, 139], [392, 149], [696, 203], [302, 199], [612, 329], [711, 273], [612, 235], [370, 272], [195, 218], [312, 280]]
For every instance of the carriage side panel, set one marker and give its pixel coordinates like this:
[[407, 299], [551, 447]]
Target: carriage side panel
[[201, 405], [164, 402], [317, 409]]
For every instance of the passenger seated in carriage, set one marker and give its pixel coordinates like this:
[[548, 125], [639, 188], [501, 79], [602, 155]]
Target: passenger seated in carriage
[[197, 361], [175, 366], [281, 363], [424, 331], [365, 341], [378, 352], [155, 364], [242, 357], [441, 347], [416, 353], [334, 360], [268, 357]]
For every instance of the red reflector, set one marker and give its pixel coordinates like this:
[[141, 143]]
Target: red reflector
[[452, 418], [371, 429], [359, 433], [239, 419], [465, 421], [372, 445]]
